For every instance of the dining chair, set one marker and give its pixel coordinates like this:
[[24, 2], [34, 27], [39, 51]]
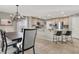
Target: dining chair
[[57, 35], [6, 43], [28, 40], [68, 34], [1, 41]]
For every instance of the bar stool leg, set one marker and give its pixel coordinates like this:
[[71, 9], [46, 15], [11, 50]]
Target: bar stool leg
[[53, 38], [71, 39], [56, 39], [62, 39]]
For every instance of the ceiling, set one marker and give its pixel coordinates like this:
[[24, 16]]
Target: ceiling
[[42, 10]]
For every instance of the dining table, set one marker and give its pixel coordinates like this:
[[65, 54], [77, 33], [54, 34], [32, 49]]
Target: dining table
[[14, 35]]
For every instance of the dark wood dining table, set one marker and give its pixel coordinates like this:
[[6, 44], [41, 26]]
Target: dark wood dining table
[[14, 35]]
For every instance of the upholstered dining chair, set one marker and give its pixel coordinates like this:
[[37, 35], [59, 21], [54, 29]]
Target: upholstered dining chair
[[28, 40], [1, 41], [6, 43]]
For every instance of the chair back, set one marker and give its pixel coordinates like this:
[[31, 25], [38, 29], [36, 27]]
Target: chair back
[[68, 32], [29, 37], [58, 33], [3, 36], [1, 41], [0, 35]]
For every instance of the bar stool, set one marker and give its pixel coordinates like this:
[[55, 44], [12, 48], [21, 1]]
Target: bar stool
[[67, 35], [57, 35]]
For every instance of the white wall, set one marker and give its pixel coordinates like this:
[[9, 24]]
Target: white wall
[[74, 25]]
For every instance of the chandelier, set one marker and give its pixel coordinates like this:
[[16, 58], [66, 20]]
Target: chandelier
[[17, 15]]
